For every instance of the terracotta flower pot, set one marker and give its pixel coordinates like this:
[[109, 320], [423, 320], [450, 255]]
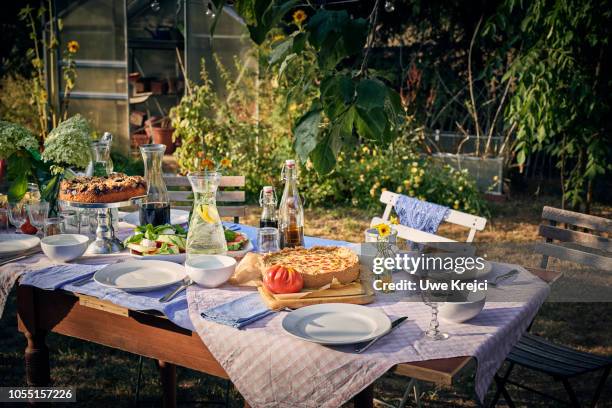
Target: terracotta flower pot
[[164, 136], [139, 139]]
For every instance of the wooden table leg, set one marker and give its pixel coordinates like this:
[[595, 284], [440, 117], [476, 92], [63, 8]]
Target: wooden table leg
[[365, 399], [37, 360], [167, 372]]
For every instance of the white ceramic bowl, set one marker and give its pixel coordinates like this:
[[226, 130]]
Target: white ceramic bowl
[[460, 312], [64, 247], [210, 271]]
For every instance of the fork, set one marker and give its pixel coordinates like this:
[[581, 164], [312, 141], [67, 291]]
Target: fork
[[169, 296], [503, 277]]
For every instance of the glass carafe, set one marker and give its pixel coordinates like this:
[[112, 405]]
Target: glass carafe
[[205, 229], [100, 164], [155, 207]]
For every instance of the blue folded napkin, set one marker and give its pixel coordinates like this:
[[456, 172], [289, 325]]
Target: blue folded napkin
[[239, 312], [56, 276], [420, 215]]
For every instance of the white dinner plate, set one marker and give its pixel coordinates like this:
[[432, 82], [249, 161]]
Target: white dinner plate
[[140, 276], [176, 217], [14, 244], [336, 323]]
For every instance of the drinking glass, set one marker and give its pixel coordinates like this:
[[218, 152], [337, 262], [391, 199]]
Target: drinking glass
[[267, 240], [54, 226], [17, 214], [32, 195], [4, 224], [38, 213], [432, 298]]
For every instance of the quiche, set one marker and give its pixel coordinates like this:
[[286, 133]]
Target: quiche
[[318, 265], [114, 188]]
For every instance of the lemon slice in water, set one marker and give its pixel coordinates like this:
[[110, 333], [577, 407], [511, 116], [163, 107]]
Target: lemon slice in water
[[209, 214]]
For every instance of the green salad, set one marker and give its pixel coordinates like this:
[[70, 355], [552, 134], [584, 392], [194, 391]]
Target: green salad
[[161, 240]]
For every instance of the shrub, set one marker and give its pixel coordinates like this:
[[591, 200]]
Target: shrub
[[258, 143]]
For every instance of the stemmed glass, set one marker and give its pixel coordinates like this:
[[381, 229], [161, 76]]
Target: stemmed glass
[[38, 213], [432, 297], [17, 214]]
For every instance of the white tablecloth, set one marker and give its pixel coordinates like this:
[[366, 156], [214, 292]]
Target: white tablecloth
[[273, 369]]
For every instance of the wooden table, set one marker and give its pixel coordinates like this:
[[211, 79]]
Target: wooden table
[[40, 312], [87, 318]]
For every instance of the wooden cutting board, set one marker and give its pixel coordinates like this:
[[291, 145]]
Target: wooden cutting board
[[358, 293]]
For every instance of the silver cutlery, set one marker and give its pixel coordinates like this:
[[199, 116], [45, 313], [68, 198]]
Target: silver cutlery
[[503, 277], [394, 324], [19, 257], [169, 296], [82, 281]]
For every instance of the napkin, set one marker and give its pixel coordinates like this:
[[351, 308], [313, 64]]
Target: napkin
[[56, 276], [239, 312], [420, 215]]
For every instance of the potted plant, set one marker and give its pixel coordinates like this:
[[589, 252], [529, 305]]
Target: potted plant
[[161, 130]]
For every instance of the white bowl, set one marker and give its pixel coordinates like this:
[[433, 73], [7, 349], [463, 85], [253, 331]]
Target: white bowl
[[210, 271], [460, 312], [64, 247]]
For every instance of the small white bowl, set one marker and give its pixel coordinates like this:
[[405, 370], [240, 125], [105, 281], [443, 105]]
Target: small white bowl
[[460, 312], [64, 247], [210, 271]]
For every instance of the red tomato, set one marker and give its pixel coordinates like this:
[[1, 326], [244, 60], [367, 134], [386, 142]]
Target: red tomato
[[28, 228], [279, 279]]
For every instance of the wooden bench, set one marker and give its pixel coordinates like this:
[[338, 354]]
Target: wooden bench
[[231, 190]]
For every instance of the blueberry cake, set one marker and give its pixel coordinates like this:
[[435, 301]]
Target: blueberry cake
[[114, 188]]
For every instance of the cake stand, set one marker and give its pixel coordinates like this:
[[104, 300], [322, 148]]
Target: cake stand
[[105, 242]]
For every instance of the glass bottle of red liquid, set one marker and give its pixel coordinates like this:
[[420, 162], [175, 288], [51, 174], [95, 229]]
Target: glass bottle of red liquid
[[291, 210], [267, 201], [155, 207]]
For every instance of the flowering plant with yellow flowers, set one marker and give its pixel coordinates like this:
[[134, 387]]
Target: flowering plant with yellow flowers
[[383, 234], [205, 164], [43, 32]]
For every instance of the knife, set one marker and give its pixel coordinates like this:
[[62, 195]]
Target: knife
[[394, 324], [19, 257]]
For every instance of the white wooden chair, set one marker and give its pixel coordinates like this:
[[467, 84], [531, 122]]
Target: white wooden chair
[[473, 222]]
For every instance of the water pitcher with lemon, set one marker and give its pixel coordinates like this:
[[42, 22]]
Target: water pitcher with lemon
[[205, 229]]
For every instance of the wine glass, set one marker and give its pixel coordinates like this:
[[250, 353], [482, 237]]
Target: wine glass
[[432, 297], [37, 213], [17, 214]]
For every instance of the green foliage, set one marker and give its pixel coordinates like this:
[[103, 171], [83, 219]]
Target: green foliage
[[127, 165], [348, 101], [16, 104], [559, 96], [14, 138], [69, 143], [210, 126]]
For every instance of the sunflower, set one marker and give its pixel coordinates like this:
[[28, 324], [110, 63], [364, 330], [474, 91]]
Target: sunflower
[[299, 16], [226, 163], [73, 47], [207, 164], [393, 219], [383, 230]]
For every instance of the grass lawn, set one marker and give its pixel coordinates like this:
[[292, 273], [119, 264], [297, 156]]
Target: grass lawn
[[105, 376]]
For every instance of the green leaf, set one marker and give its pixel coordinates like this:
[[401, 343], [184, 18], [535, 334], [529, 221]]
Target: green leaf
[[280, 51], [337, 92], [323, 158], [267, 16], [18, 188], [520, 157], [371, 93], [306, 132], [341, 132], [371, 124]]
